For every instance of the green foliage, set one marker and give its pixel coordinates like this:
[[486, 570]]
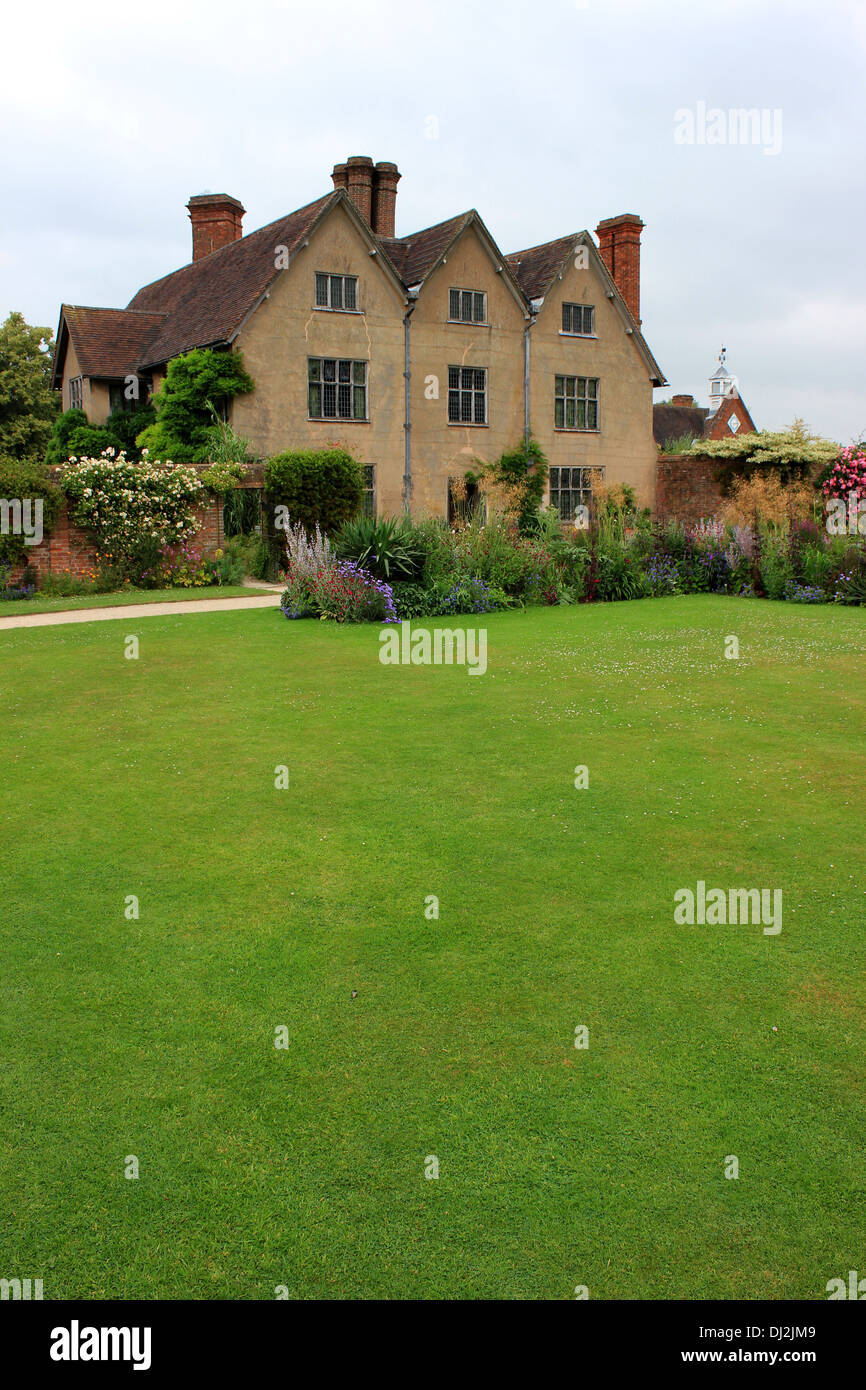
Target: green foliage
[[321, 487], [414, 601], [794, 454], [196, 384], [63, 584], [124, 427], [220, 478], [683, 444], [128, 506], [20, 481], [775, 566], [520, 476], [28, 405], [252, 553], [385, 548]]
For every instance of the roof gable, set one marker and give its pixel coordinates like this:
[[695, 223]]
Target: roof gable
[[537, 268], [109, 343]]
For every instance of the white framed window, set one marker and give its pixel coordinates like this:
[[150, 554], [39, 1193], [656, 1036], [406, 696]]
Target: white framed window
[[467, 395], [571, 488], [467, 306], [75, 392], [336, 292], [575, 403], [337, 388], [578, 320]]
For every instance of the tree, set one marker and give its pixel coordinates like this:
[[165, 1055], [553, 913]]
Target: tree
[[28, 405], [195, 384]]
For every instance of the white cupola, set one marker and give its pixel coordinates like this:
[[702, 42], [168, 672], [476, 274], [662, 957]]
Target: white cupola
[[722, 383]]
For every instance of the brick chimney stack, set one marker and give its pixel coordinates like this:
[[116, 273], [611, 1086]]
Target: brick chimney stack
[[216, 221], [619, 244], [372, 188], [385, 179], [359, 169]]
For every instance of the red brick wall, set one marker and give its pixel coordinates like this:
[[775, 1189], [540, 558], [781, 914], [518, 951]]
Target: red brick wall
[[686, 488], [70, 549]]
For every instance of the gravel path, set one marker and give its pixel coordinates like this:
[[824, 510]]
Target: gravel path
[[131, 611]]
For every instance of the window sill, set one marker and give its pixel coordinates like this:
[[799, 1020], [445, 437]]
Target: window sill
[[574, 429], [468, 323], [467, 425], [592, 337], [326, 309], [334, 420]]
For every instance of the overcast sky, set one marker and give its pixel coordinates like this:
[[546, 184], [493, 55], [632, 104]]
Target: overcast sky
[[545, 115]]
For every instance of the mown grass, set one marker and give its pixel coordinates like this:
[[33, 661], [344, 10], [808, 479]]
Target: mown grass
[[50, 603], [262, 907]]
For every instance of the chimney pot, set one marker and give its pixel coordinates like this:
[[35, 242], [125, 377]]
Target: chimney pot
[[216, 221], [682, 400]]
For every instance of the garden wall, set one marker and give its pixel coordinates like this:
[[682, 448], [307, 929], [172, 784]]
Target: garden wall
[[69, 549], [686, 488]]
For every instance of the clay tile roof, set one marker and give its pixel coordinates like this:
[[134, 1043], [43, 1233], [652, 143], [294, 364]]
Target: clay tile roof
[[413, 257], [110, 343], [206, 302], [673, 421], [534, 269]]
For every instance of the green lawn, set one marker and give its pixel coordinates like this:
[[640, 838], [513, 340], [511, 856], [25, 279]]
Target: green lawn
[[262, 907], [49, 603]]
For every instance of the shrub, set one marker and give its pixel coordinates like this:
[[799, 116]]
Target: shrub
[[794, 454], [63, 584], [74, 436], [126, 505], [414, 601], [124, 427], [516, 483], [472, 595], [845, 476], [197, 385], [251, 553], [316, 487], [386, 548], [662, 575], [22, 482], [775, 567], [618, 576], [803, 593], [769, 498]]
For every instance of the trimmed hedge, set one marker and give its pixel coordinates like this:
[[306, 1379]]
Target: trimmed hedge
[[321, 487]]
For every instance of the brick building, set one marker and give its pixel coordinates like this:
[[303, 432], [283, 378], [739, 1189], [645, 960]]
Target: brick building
[[726, 414]]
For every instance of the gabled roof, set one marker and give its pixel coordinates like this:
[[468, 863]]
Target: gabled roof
[[205, 303], [415, 256], [536, 268], [109, 343]]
